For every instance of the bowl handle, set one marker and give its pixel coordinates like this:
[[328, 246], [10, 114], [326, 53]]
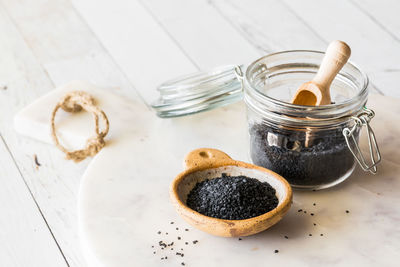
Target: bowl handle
[[205, 157]]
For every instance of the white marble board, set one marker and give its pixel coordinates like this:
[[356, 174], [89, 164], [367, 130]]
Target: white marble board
[[123, 199]]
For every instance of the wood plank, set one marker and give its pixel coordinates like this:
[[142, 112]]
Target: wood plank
[[384, 13], [208, 39], [25, 239], [144, 51], [64, 44], [269, 25], [54, 191], [372, 48]]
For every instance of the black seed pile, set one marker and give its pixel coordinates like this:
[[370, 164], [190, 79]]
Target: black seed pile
[[325, 159], [232, 197]]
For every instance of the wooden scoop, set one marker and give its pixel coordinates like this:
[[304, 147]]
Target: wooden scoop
[[207, 163], [317, 91]]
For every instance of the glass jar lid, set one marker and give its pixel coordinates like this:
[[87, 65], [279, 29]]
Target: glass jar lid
[[198, 92]]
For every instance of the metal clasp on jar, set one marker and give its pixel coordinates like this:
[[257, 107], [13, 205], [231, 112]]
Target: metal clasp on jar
[[362, 119]]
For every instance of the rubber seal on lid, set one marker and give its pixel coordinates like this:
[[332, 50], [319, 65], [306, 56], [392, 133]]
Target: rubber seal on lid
[[198, 92]]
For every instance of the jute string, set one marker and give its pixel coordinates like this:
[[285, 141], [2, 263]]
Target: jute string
[[74, 102]]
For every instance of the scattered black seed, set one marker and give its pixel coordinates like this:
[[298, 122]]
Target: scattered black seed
[[284, 151], [186, 230], [162, 258], [36, 161], [172, 248], [154, 252], [300, 210], [310, 235], [232, 197], [4, 87], [152, 246], [347, 211], [314, 190], [305, 211], [171, 222], [286, 237], [159, 232], [166, 233], [177, 228], [276, 251], [321, 234], [179, 238], [240, 239], [166, 257], [312, 214], [314, 224], [162, 248], [181, 248], [183, 263], [314, 204], [195, 242], [186, 243]]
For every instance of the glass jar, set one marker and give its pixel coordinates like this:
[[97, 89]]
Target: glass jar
[[313, 147], [307, 145]]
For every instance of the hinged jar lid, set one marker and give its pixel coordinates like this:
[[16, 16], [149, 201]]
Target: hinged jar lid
[[198, 92]]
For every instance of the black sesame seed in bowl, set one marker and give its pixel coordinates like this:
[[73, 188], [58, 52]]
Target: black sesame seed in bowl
[[232, 197]]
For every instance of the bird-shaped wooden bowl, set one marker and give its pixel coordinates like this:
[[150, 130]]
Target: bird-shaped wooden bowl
[[206, 163]]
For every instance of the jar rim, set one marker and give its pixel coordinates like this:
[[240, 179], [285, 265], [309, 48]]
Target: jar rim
[[337, 110]]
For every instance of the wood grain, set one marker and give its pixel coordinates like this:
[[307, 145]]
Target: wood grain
[[374, 50], [25, 239], [134, 46]]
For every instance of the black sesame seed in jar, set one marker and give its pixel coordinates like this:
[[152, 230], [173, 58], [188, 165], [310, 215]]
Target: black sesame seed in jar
[[322, 160], [232, 197]]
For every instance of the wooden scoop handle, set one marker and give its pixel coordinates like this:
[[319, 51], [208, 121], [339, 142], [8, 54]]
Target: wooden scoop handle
[[336, 56], [205, 157]]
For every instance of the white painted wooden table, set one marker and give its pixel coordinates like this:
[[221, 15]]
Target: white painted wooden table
[[133, 46]]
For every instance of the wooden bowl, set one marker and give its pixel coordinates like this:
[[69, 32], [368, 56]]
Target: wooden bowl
[[206, 163]]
